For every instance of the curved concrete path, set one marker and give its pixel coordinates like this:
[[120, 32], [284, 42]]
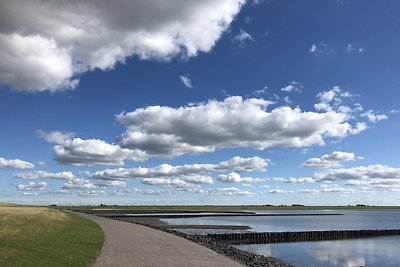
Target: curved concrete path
[[127, 244]]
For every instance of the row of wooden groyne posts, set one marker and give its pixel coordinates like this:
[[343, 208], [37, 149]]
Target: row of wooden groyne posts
[[284, 237], [276, 237]]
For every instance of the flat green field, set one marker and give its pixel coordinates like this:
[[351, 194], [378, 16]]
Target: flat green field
[[225, 207], [39, 236]]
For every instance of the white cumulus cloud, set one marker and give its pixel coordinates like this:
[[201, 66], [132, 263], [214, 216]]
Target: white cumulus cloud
[[65, 175], [55, 137], [234, 177], [188, 172], [91, 193], [334, 188], [78, 151], [373, 117], [86, 152], [333, 160], [279, 191], [46, 45], [15, 164], [292, 87], [78, 184], [126, 191], [32, 186], [233, 122], [362, 173], [225, 191], [292, 180], [29, 194], [111, 183], [331, 99]]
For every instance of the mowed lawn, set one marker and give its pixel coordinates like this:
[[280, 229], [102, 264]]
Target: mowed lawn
[[40, 236]]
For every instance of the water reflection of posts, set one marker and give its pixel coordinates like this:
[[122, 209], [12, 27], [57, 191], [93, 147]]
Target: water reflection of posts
[[342, 259]]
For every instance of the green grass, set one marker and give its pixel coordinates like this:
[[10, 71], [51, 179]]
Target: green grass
[[38, 236]]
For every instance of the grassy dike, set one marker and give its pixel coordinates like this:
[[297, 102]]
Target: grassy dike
[[39, 236]]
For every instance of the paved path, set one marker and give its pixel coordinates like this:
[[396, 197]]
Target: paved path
[[127, 244]]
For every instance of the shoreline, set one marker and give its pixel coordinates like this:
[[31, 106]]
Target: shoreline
[[243, 257], [223, 241], [150, 219]]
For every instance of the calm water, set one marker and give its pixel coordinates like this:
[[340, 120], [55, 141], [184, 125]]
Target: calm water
[[351, 219], [156, 214], [380, 251]]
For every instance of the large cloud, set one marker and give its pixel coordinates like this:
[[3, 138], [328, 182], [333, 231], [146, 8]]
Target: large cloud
[[233, 122], [44, 45], [90, 152], [15, 164], [77, 151], [163, 131], [333, 160]]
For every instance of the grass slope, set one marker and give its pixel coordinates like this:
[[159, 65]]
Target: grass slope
[[38, 236]]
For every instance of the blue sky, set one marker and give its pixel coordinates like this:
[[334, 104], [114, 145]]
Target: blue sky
[[228, 102]]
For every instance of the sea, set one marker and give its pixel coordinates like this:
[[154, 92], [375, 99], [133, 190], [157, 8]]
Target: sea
[[376, 251]]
